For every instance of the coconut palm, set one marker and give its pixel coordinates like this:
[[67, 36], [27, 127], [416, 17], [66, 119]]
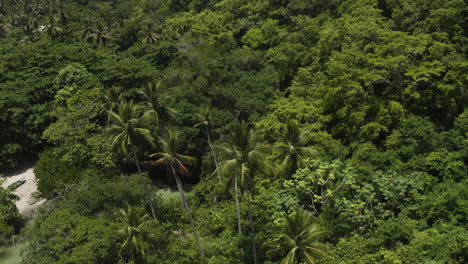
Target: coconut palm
[[101, 36], [293, 148], [96, 34], [169, 156], [111, 97], [300, 240], [28, 30], [85, 34], [62, 17], [136, 238], [148, 34], [129, 131], [38, 7], [243, 160], [157, 104], [53, 28], [204, 124]]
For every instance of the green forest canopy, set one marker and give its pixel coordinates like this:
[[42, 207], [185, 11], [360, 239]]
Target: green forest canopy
[[354, 111]]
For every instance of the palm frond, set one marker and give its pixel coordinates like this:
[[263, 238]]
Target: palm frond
[[300, 234], [289, 259]]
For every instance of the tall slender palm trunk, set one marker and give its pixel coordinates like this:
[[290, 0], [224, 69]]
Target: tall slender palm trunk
[[213, 153], [184, 201], [147, 194], [237, 206], [302, 160], [252, 229], [161, 128]]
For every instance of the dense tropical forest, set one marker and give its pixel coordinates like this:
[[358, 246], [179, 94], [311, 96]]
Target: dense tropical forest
[[237, 131]]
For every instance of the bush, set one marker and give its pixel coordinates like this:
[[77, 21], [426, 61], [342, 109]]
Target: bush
[[53, 175], [66, 237], [10, 218]]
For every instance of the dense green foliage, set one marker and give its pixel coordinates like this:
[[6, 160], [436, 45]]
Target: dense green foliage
[[354, 111], [10, 218]]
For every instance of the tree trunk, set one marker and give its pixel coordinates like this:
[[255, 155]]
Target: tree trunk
[[214, 154], [161, 126], [182, 196], [238, 207], [215, 199], [147, 194], [302, 160], [252, 230]]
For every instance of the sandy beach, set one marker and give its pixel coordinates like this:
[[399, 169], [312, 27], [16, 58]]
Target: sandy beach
[[27, 205]]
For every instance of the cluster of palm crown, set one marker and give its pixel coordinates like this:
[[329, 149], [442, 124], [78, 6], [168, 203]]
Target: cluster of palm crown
[[242, 156], [95, 33], [300, 240], [129, 129], [28, 15]]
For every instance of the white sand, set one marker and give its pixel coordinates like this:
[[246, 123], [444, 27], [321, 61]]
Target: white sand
[[27, 205]]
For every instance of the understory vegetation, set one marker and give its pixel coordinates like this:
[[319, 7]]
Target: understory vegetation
[[237, 131]]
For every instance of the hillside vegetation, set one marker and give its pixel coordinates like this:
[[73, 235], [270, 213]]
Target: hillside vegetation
[[301, 131]]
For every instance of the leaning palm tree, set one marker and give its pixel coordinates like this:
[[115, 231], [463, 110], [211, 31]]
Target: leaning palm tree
[[157, 104], [243, 160], [178, 163], [293, 148], [300, 240], [128, 130], [135, 220]]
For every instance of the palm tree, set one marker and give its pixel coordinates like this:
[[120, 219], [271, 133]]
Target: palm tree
[[38, 7], [100, 36], [244, 158], [111, 97], [85, 34], [135, 220], [157, 104], [293, 148], [128, 131], [28, 29], [53, 28], [96, 34], [178, 163], [204, 123], [148, 34], [62, 17], [300, 240]]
